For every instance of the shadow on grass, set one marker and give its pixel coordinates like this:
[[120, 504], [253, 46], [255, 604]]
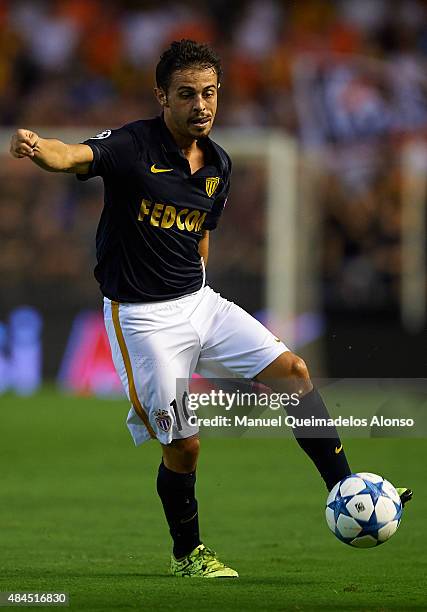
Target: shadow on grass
[[72, 576]]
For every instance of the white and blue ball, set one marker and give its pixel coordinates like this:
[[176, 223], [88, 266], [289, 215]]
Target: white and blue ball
[[363, 510]]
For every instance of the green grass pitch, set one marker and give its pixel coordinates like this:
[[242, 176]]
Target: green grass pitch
[[79, 513]]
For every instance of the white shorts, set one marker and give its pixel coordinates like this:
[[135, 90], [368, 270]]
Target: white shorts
[[155, 344]]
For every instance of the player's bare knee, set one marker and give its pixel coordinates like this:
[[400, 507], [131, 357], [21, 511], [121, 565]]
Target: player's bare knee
[[181, 455], [289, 366], [190, 451], [298, 368], [286, 367]]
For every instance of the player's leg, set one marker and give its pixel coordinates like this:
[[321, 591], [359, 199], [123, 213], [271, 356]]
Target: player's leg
[[151, 349], [181, 455], [154, 347], [288, 373], [236, 344], [176, 483]]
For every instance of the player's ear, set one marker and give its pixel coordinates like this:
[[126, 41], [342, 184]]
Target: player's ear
[[161, 96]]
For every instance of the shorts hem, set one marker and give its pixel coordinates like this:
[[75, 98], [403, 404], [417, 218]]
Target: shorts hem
[[281, 348]]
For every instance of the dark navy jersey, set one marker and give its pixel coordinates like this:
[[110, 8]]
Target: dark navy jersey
[[155, 211]]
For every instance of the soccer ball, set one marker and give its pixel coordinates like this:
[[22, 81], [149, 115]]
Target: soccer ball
[[363, 510]]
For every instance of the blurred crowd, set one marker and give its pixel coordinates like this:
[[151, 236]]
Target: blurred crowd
[[91, 62], [362, 218], [47, 229], [345, 77]]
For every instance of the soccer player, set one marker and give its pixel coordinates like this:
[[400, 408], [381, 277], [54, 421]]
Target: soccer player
[[166, 184]]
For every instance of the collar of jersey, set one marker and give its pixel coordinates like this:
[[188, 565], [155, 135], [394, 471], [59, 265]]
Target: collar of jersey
[[170, 146]]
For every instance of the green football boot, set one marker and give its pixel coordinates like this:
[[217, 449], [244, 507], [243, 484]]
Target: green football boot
[[405, 495], [202, 562]]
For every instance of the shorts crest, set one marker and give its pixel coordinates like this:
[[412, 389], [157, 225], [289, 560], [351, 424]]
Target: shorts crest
[[211, 185], [163, 420]]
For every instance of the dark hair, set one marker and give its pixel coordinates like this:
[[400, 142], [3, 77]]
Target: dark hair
[[185, 54]]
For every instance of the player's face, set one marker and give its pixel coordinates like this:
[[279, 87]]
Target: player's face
[[191, 102]]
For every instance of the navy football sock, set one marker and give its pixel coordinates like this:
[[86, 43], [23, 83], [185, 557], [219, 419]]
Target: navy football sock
[[322, 444], [180, 505]]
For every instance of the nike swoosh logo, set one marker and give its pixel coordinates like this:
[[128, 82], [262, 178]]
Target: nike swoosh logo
[[338, 450], [182, 521], [154, 170]]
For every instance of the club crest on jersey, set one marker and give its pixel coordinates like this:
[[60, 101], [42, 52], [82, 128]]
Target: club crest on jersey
[[101, 135], [163, 420], [211, 184]]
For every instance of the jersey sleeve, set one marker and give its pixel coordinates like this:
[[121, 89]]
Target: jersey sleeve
[[112, 152]]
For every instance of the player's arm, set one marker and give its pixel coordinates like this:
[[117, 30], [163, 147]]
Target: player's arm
[[51, 154], [204, 247]]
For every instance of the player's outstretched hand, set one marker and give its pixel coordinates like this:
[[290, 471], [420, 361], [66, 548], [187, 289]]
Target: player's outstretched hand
[[23, 143]]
